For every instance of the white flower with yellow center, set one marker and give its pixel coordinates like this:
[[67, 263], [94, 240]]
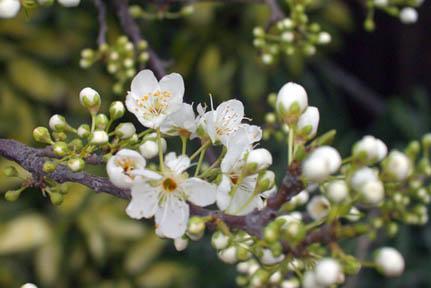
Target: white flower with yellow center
[[236, 192], [182, 122], [166, 197], [152, 101], [121, 168]]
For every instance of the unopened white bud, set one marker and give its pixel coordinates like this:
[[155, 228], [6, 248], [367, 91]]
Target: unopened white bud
[[219, 240], [309, 280], [318, 207], [267, 58], [408, 15], [83, 131], [389, 262], [362, 176], [381, 3], [324, 38], [258, 31], [228, 255], [69, 3], [292, 100], [370, 149], [258, 160], [327, 272], [125, 130], [76, 164], [287, 36], [321, 163], [373, 192], [397, 166], [290, 283], [99, 137], [116, 110], [150, 148], [308, 123], [9, 8], [301, 198], [57, 122], [181, 243], [268, 258], [337, 191], [275, 278], [28, 285], [354, 214], [90, 99]]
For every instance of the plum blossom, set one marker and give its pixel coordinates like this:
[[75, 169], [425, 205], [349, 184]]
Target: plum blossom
[[165, 197], [152, 101]]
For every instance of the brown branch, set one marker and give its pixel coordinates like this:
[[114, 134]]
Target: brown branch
[[32, 160], [132, 30], [277, 13], [101, 17]]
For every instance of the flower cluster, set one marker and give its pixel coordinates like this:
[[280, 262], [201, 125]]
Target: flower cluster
[[10, 8], [293, 243]]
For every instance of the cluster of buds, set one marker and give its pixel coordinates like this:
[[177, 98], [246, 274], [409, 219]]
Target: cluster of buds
[[404, 10], [121, 59], [159, 14], [10, 8]]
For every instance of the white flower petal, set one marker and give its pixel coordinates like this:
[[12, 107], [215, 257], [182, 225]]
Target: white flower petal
[[117, 174], [237, 145], [183, 118], [174, 84], [172, 217], [200, 192], [223, 198], [177, 164], [148, 174], [144, 83], [243, 201], [144, 202]]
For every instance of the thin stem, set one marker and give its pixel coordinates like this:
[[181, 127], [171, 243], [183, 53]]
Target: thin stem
[[143, 133], [159, 143], [201, 159], [290, 145], [93, 122], [216, 163], [204, 146], [184, 145]]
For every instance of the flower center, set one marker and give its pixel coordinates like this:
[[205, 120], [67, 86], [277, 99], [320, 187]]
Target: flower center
[[154, 103], [127, 164], [169, 185], [234, 179]]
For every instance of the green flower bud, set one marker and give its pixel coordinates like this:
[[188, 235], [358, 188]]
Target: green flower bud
[[84, 131], [90, 99], [75, 144], [187, 10], [116, 110], [60, 149], [270, 118], [12, 195], [76, 164], [49, 167], [87, 53], [125, 130], [56, 198], [259, 278], [265, 181], [59, 136], [196, 226], [219, 240], [271, 232], [242, 253], [57, 123], [41, 134], [10, 171], [101, 121]]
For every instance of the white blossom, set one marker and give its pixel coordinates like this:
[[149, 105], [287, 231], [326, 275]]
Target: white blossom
[[389, 262], [327, 272], [291, 95], [397, 166], [337, 191], [181, 122], [408, 15], [69, 3], [165, 198], [309, 120], [121, 168], [321, 163], [374, 149], [152, 101], [268, 258], [318, 207], [9, 8]]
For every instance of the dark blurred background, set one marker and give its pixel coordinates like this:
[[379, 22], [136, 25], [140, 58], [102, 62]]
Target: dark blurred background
[[363, 83]]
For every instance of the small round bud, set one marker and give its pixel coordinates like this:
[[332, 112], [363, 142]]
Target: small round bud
[[397, 166], [290, 283], [56, 198], [369, 150], [258, 31], [324, 38], [125, 130], [90, 99], [69, 3], [259, 278], [389, 262], [337, 191], [196, 226], [258, 160], [268, 258], [49, 167], [10, 171], [318, 207], [84, 131], [12, 195], [41, 134], [321, 163], [267, 58], [219, 240], [265, 181], [101, 121], [408, 15], [76, 164], [373, 192], [75, 144], [57, 123], [228, 255], [327, 272], [60, 149], [116, 110], [292, 100], [28, 285], [287, 37], [308, 123], [99, 137], [150, 148], [9, 8], [181, 243]]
